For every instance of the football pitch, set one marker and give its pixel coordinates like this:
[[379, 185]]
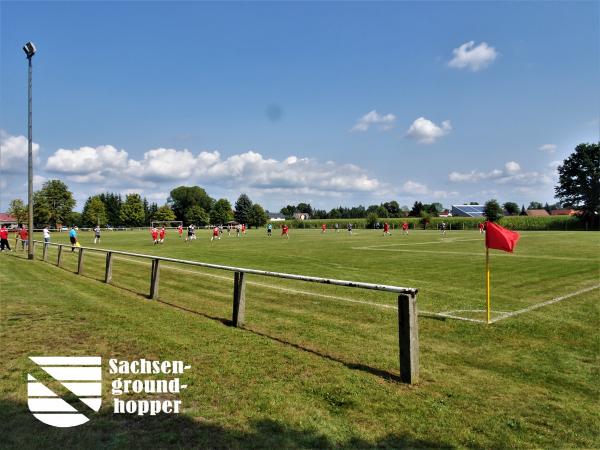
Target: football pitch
[[317, 365]]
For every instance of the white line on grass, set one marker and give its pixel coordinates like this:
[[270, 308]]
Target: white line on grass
[[546, 303], [437, 252]]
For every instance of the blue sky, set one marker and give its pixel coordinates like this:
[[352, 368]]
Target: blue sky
[[328, 103]]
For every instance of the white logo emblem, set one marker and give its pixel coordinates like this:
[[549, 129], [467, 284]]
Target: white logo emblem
[[80, 375]]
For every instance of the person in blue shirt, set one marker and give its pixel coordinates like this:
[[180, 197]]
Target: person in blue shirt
[[73, 237], [269, 229]]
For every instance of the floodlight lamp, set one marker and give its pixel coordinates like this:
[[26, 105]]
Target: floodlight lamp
[[29, 49]]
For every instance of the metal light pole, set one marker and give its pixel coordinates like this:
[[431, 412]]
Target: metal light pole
[[29, 50]]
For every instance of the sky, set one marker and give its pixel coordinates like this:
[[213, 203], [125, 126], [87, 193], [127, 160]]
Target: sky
[[328, 103]]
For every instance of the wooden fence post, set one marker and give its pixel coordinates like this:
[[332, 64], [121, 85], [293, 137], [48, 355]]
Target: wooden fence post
[[239, 299], [80, 262], [108, 271], [154, 278], [59, 256], [32, 243], [45, 251], [408, 338]]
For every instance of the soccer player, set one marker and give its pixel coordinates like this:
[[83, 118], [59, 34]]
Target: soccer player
[[97, 234], [180, 230], [323, 228], [154, 233], [443, 228], [162, 234], [386, 229], [284, 231], [215, 234], [269, 229], [4, 238], [73, 238], [405, 228], [46, 232], [480, 225], [349, 228], [24, 237], [190, 232], [238, 228], [243, 228]]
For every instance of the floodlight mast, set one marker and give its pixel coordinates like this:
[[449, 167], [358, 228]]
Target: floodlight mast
[[29, 50]]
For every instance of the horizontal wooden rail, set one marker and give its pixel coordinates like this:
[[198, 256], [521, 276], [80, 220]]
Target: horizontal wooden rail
[[408, 334]]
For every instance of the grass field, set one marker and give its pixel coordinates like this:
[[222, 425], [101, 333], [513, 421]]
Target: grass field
[[317, 365]]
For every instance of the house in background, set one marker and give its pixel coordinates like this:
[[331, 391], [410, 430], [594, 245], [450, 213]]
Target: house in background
[[301, 216], [565, 212], [537, 213], [8, 220]]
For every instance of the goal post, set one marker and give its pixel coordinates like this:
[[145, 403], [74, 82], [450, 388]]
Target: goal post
[[166, 223]]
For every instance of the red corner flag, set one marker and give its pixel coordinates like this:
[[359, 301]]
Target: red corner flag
[[500, 238]]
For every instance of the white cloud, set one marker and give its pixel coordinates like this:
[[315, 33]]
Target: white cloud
[[111, 168], [512, 167], [512, 174], [473, 57], [426, 132], [384, 122], [548, 148], [87, 160], [14, 153], [416, 188]]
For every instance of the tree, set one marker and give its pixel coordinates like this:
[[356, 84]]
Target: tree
[[304, 208], [511, 208], [18, 210], [258, 216], [288, 211], [579, 180], [132, 211], [371, 220], [393, 208], [164, 214], [535, 205], [184, 197], [196, 215], [416, 210], [243, 209], [221, 212], [113, 203], [53, 203], [523, 211], [492, 210], [94, 212]]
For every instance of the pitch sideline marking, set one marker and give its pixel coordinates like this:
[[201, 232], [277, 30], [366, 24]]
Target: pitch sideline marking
[[546, 303]]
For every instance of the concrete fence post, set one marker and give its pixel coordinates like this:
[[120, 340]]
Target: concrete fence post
[[154, 278], [108, 271], [59, 255], [80, 262], [239, 299], [408, 338]]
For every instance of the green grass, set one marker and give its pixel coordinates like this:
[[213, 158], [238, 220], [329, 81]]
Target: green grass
[[310, 370]]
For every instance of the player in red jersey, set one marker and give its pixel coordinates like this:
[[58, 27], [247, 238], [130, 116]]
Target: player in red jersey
[[386, 229], [4, 238], [243, 228], [405, 228], [284, 231], [154, 233], [216, 234], [323, 228], [162, 234], [24, 235], [180, 230], [480, 225]]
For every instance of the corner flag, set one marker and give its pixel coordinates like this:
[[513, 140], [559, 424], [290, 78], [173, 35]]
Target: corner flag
[[498, 238]]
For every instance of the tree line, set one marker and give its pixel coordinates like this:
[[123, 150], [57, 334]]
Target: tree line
[[53, 205]]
